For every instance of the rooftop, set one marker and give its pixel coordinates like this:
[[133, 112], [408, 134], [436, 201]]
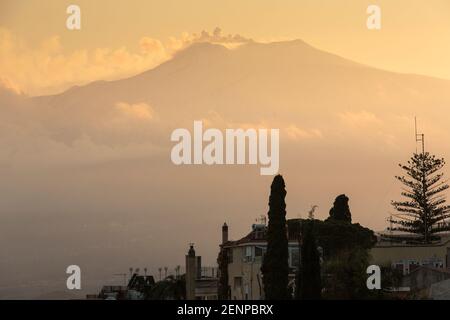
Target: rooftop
[[258, 234]]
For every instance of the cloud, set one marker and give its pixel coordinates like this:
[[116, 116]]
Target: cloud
[[385, 130], [47, 68], [296, 133], [9, 85], [215, 120], [32, 138], [359, 119], [149, 45], [140, 111]]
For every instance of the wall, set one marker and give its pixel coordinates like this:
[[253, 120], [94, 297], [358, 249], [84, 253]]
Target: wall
[[387, 254]]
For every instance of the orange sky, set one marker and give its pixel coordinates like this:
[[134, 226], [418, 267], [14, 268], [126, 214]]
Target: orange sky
[[121, 38], [87, 175]]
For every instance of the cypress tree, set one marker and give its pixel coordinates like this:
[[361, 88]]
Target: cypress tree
[[223, 287], [275, 268], [310, 284], [298, 274]]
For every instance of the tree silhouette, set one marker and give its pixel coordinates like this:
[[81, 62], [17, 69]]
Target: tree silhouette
[[346, 275], [223, 290], [424, 212], [310, 284], [170, 288], [340, 209], [275, 268]]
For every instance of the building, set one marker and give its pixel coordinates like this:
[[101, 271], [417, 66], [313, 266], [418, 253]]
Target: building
[[113, 293], [134, 290], [425, 267], [440, 290], [407, 257], [138, 285], [424, 277], [201, 283], [245, 256]]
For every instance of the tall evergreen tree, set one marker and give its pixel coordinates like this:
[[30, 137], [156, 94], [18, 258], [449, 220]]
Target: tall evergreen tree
[[424, 212], [341, 210], [223, 287], [310, 284], [275, 268], [298, 274]]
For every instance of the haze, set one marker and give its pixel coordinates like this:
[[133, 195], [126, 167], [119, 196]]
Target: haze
[[86, 176]]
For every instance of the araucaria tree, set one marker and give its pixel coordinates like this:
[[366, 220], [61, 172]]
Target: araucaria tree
[[424, 212], [275, 268]]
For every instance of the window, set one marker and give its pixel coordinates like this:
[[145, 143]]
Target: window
[[230, 255], [294, 257], [258, 252], [237, 282], [246, 291], [264, 250], [248, 254]]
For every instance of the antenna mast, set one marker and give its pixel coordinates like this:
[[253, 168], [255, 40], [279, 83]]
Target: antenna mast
[[420, 137]]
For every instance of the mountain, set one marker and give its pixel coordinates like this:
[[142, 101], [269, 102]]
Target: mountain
[[87, 177], [290, 72], [287, 82]]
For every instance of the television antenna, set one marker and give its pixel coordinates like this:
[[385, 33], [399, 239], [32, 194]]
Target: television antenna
[[261, 219], [311, 212], [420, 137]]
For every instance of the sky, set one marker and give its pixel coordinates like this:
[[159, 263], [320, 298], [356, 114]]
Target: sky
[[142, 34], [95, 160]]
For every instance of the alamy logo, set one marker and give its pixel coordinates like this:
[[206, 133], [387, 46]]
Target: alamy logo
[[374, 19], [237, 146], [374, 279], [74, 280], [73, 21]]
